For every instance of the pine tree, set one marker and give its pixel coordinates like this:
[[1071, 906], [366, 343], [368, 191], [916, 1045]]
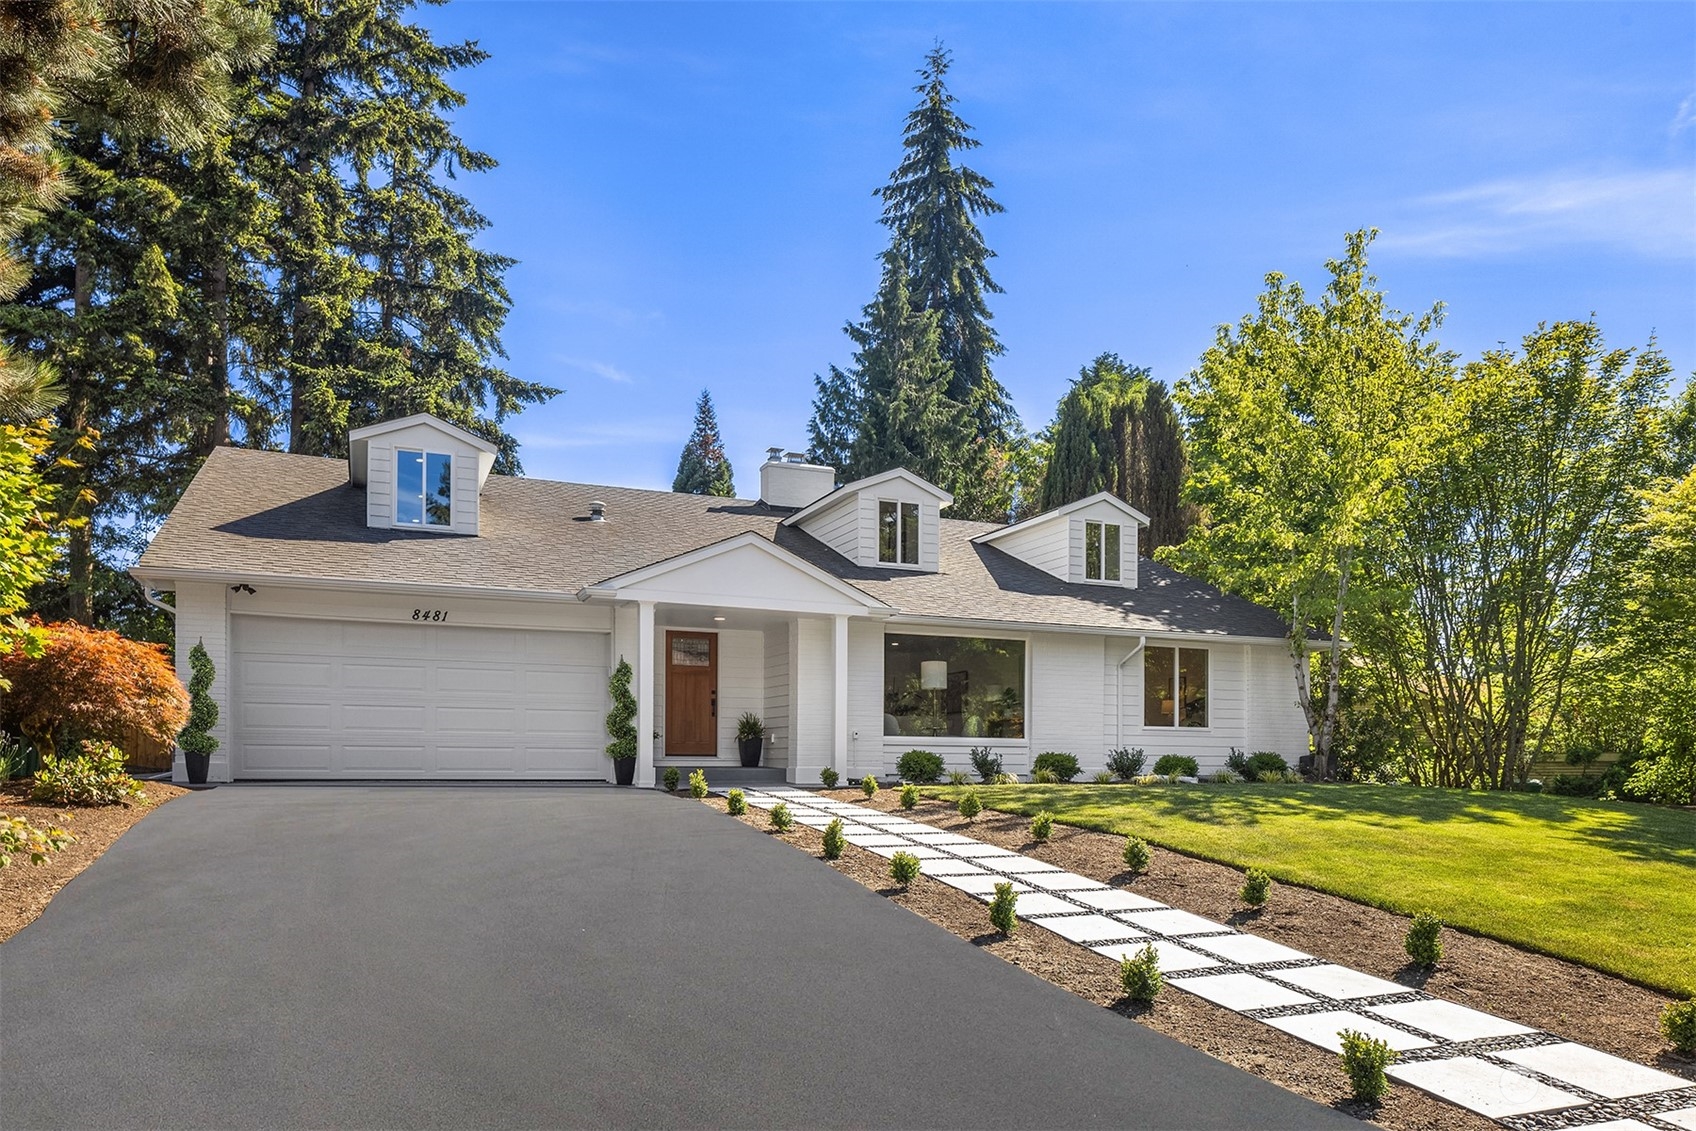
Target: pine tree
[[838, 406], [704, 469], [1117, 430], [930, 209]]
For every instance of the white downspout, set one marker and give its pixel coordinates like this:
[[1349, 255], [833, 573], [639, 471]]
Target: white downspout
[[1119, 689], [147, 594]]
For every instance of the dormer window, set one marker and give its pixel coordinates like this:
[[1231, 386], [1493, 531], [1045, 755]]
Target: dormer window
[[897, 532], [423, 488], [1101, 551]]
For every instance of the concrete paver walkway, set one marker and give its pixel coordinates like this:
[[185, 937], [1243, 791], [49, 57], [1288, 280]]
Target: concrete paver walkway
[[1514, 1074]]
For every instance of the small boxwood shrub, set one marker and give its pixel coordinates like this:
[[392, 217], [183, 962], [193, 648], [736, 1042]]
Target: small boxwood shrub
[[1140, 975], [829, 777], [834, 841], [1364, 1059], [1126, 762], [781, 818], [1063, 766], [1042, 825], [920, 766], [94, 777], [909, 797], [1103, 777], [987, 763], [970, 806], [1266, 765], [1678, 1025], [1136, 854], [959, 777], [671, 778], [1002, 914], [904, 866], [737, 802], [1424, 941], [697, 783], [1177, 766], [868, 785], [19, 836], [1255, 886]]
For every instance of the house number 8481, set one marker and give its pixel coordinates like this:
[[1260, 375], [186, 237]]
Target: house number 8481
[[429, 614]]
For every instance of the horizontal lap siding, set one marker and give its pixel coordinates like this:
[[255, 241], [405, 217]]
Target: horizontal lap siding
[[810, 657], [1227, 709], [1275, 719], [1065, 702], [203, 617], [741, 683], [779, 720], [865, 700]]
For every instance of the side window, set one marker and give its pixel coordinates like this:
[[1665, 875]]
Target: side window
[[897, 532], [1101, 551], [423, 488]]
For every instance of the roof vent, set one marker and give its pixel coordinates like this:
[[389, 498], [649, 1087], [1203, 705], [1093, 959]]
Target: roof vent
[[597, 511], [794, 457]]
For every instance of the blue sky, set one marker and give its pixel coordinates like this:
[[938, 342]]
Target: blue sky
[[689, 187]]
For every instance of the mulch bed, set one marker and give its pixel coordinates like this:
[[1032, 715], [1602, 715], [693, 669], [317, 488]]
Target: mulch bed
[[26, 888], [1227, 1036]]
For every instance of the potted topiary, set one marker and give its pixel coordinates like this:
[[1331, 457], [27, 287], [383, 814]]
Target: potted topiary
[[750, 737], [196, 741], [621, 724]]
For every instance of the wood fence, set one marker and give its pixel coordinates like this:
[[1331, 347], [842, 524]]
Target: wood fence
[[144, 752]]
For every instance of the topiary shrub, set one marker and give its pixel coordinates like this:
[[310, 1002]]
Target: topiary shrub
[[1136, 854], [621, 720], [697, 784], [196, 738], [1424, 941], [1678, 1025], [737, 802], [909, 797], [1255, 886], [95, 777], [834, 841], [1002, 909], [1364, 1059], [671, 778], [1063, 766], [1042, 825], [1140, 975], [868, 785], [920, 766], [970, 806], [93, 680], [987, 763], [904, 866], [958, 777], [1126, 762], [19, 836], [1177, 766], [781, 818], [829, 777]]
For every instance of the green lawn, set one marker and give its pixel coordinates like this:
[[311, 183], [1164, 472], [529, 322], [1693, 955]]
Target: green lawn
[[1607, 884]]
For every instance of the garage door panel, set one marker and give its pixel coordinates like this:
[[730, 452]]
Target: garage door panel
[[327, 699]]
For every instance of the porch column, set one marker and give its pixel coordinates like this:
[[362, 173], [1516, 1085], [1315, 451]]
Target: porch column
[[645, 695], [839, 698]]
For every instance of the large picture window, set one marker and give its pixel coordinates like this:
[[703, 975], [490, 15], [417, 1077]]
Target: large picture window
[[1174, 687], [898, 532], [423, 488], [953, 687]]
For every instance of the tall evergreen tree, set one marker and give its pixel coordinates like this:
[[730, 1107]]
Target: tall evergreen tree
[[1117, 430], [930, 207], [704, 469]]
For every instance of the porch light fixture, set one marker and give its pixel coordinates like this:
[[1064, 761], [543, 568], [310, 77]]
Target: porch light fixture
[[718, 618]]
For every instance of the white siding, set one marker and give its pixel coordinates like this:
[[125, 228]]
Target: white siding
[[1055, 544], [1274, 718], [779, 718], [849, 526], [1066, 700], [379, 475], [1226, 709], [810, 660], [865, 700], [1043, 546], [203, 617], [839, 528]]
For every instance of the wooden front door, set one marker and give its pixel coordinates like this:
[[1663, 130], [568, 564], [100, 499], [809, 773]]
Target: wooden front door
[[691, 694]]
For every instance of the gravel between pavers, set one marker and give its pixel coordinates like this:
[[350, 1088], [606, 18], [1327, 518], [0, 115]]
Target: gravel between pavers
[[1559, 997], [1227, 1036]]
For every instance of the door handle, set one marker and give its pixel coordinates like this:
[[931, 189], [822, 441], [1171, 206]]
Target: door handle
[[715, 702]]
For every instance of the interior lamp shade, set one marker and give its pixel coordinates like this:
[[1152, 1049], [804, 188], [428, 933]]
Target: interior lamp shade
[[933, 675]]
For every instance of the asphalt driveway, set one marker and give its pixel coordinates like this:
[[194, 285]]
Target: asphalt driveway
[[351, 956]]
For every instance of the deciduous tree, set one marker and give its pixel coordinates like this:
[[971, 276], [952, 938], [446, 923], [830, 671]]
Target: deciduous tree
[[93, 680]]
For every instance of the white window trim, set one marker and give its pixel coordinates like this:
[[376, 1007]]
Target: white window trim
[[877, 533], [1083, 573], [1142, 704], [394, 492], [961, 741]]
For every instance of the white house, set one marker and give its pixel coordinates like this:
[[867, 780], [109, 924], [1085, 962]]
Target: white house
[[405, 614]]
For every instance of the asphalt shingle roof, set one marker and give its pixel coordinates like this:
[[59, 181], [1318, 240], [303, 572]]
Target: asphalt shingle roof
[[256, 514]]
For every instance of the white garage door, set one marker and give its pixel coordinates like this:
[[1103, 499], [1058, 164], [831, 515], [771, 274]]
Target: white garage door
[[344, 699]]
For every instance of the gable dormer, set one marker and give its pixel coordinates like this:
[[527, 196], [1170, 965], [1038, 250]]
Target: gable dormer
[[892, 520], [419, 473], [1092, 541]]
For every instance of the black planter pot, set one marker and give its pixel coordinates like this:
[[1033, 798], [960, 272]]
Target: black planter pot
[[196, 765], [624, 770], [749, 748]]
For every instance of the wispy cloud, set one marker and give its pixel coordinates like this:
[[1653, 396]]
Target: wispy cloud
[[1648, 212], [601, 369], [1685, 118]]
